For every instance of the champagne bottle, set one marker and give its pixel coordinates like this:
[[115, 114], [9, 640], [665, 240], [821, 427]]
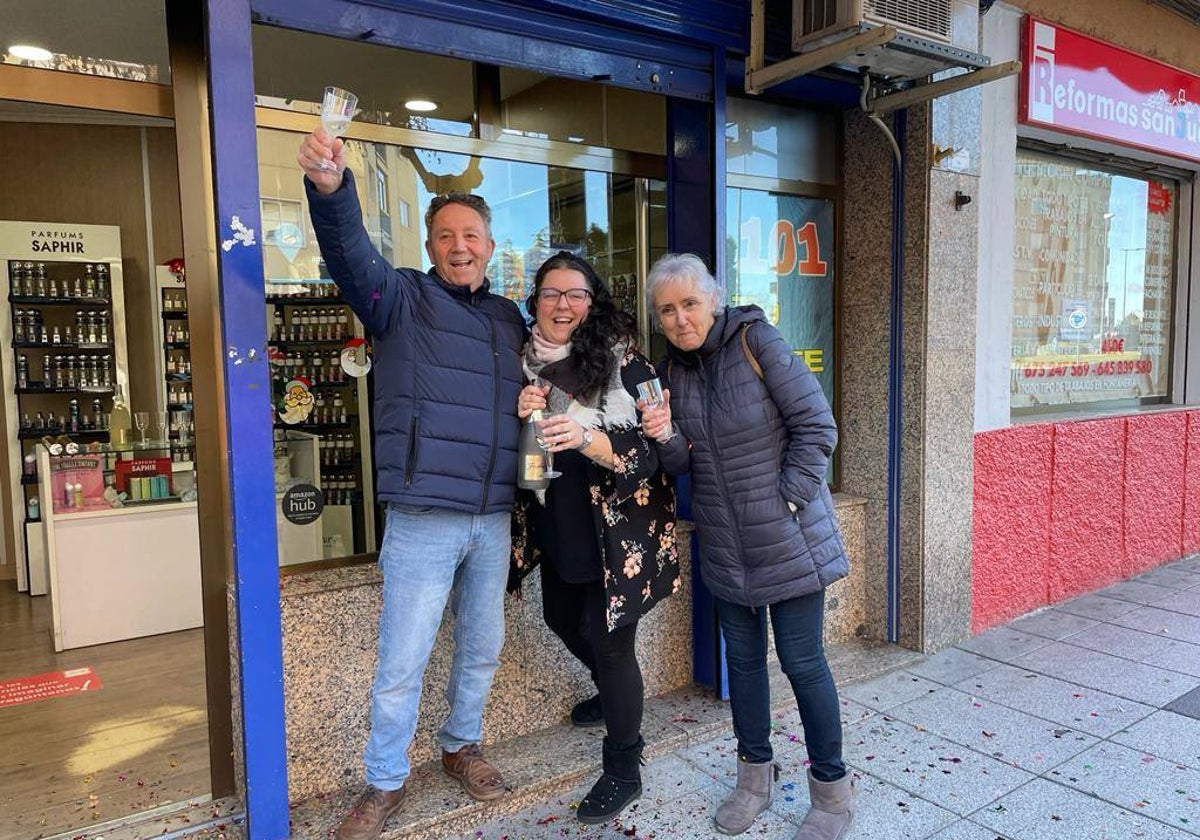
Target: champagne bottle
[[119, 426], [531, 463]]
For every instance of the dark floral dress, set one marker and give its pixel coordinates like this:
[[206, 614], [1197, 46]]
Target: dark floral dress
[[633, 510]]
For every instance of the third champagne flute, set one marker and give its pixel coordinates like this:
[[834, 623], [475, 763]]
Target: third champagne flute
[[141, 419], [650, 392]]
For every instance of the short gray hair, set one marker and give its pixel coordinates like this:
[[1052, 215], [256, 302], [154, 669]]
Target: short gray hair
[[676, 268], [475, 202]]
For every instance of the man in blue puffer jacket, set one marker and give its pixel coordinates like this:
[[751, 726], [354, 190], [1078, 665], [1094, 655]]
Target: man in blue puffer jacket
[[448, 373]]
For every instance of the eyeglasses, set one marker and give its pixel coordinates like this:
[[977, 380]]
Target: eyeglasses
[[573, 296]]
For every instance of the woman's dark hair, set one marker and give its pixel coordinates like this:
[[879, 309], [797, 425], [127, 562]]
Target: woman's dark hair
[[604, 326]]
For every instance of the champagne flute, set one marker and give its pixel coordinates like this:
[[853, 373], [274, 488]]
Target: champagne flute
[[141, 419], [650, 392], [337, 109], [538, 419], [161, 423], [183, 423]]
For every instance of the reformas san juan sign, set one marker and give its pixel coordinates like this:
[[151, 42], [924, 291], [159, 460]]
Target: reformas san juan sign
[[1077, 84]]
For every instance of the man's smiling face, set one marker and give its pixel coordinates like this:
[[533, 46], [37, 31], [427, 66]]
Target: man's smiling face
[[460, 245]]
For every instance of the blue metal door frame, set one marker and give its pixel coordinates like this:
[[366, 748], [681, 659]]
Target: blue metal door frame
[[496, 33], [695, 222], [255, 558]]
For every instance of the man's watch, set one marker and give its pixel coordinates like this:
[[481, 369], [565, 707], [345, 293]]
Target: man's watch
[[587, 440]]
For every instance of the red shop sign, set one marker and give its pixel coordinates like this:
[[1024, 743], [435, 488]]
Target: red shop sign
[[1077, 84]]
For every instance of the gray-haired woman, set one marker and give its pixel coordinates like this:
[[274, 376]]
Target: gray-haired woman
[[749, 421]]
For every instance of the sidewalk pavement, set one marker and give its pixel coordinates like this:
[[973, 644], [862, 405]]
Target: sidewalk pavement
[[1078, 722]]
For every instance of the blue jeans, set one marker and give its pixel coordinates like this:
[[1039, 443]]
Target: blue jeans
[[430, 555], [798, 626]]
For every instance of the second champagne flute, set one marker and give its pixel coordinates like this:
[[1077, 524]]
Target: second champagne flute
[[538, 418], [141, 419]]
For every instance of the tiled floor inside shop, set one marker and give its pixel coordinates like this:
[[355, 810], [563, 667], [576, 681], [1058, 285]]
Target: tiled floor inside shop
[[73, 762]]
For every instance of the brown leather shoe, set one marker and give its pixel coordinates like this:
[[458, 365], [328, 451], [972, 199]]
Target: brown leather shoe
[[480, 779], [365, 821]]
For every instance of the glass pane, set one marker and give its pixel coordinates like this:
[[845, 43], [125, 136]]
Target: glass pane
[[780, 252], [550, 108], [292, 69], [777, 142], [538, 210], [126, 40], [1094, 274]]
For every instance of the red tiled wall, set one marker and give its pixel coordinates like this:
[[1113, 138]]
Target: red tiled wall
[[1154, 485], [1086, 539], [1012, 519], [1067, 508], [1191, 513]]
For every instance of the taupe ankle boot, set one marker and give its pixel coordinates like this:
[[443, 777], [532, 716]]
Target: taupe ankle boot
[[752, 796], [832, 809]]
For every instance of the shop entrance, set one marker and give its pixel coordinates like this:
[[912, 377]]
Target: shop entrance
[[102, 649]]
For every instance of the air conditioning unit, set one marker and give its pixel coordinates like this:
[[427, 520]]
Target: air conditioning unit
[[930, 31]]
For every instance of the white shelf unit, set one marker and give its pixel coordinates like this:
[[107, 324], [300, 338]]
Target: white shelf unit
[[64, 249]]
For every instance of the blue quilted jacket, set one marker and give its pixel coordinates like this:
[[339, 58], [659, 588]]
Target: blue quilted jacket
[[752, 445], [447, 368]]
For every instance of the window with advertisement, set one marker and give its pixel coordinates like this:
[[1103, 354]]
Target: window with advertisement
[[781, 164], [780, 258], [1093, 286]]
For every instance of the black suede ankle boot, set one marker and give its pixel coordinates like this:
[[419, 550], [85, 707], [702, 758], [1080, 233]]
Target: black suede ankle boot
[[619, 784], [588, 713]]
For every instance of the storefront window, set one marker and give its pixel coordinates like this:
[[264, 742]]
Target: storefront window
[[1093, 289], [323, 437], [292, 69], [126, 40], [776, 141], [780, 257], [551, 108]]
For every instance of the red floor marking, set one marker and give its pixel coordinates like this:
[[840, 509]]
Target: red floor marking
[[45, 686]]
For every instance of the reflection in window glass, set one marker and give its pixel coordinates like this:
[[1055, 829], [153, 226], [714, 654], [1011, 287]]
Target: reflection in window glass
[[292, 69], [538, 210], [780, 257], [1093, 283], [284, 227], [777, 142], [126, 40], [550, 108]]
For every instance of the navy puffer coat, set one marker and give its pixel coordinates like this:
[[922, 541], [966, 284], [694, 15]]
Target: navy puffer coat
[[447, 369], [753, 445]]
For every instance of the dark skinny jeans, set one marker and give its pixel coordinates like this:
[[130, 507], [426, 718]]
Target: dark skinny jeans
[[798, 627], [575, 612]]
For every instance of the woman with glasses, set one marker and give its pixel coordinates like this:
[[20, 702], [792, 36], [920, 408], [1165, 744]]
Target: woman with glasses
[[603, 530]]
